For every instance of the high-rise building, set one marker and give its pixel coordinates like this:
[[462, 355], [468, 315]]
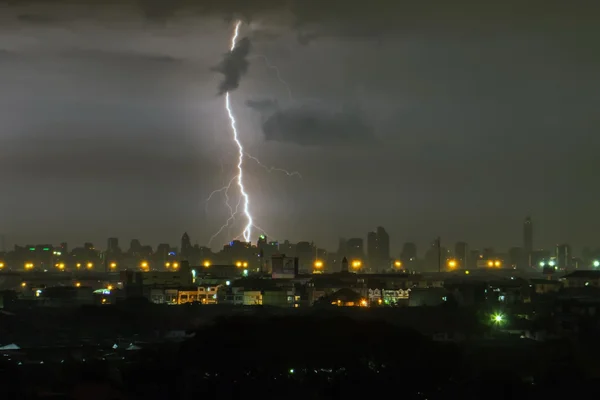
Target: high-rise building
[[378, 248], [355, 248], [408, 254], [563, 256], [113, 245], [261, 242], [461, 253], [135, 247], [186, 246], [528, 239]]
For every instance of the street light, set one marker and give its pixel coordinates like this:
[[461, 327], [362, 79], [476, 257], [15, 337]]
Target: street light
[[596, 263], [113, 265], [398, 264], [90, 265], [318, 264], [498, 319], [206, 264], [452, 263]]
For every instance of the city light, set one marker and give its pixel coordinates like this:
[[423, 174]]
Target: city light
[[498, 318], [363, 303], [494, 263], [23, 284], [452, 263], [596, 263], [90, 265], [238, 264], [497, 263], [61, 266], [552, 263], [175, 265], [318, 264], [113, 265], [28, 266], [1, 265], [78, 265], [109, 287], [167, 265], [398, 264], [206, 264], [77, 284], [356, 264]]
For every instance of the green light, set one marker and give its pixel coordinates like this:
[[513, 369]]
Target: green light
[[498, 319], [46, 249], [262, 236], [32, 249]]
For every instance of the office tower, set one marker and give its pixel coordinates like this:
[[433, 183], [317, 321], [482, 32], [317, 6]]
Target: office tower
[[408, 254], [186, 246], [355, 249], [528, 239], [378, 248], [113, 245], [461, 254], [563, 256]]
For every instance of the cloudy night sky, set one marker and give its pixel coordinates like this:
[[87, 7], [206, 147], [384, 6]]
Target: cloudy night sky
[[450, 118]]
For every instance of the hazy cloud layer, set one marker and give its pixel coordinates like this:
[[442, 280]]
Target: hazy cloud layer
[[234, 66], [314, 127], [264, 106]]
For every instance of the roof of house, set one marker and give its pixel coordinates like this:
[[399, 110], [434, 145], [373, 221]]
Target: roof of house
[[346, 295], [583, 274]]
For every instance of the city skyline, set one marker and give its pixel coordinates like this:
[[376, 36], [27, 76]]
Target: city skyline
[[394, 248], [459, 132]]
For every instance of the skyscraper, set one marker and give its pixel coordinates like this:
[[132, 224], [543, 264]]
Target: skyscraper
[[563, 256], [354, 248], [378, 248], [408, 254], [528, 239], [461, 253], [186, 246], [112, 245]]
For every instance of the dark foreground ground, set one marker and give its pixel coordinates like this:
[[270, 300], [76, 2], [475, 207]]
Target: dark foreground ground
[[321, 356]]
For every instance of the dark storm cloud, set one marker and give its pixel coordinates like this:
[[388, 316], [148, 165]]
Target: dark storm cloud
[[265, 106], [314, 127], [123, 58], [343, 17], [37, 19], [234, 66]]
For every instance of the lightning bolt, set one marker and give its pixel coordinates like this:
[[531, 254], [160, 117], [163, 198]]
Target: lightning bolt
[[244, 199], [278, 73], [271, 169]]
